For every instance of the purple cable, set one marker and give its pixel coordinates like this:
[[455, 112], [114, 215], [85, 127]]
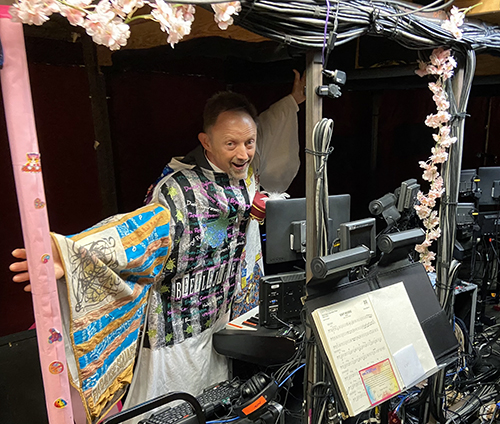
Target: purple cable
[[326, 27]]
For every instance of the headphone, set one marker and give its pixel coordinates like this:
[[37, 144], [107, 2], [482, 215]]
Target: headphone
[[256, 393]]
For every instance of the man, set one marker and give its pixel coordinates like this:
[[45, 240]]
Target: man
[[208, 194]]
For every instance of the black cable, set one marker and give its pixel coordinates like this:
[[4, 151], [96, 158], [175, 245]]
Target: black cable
[[411, 26]]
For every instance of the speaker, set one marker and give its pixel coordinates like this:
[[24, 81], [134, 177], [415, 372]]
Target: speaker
[[256, 393]]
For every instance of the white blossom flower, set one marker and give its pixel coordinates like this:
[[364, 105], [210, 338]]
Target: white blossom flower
[[224, 12], [105, 27], [31, 12], [174, 20], [124, 7], [454, 21], [74, 11]]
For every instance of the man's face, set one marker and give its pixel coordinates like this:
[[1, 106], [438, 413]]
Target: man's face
[[230, 143]]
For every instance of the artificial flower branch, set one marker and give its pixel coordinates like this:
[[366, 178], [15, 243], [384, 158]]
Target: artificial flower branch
[[442, 65], [107, 20]]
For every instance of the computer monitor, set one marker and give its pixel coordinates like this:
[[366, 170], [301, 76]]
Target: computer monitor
[[407, 194], [489, 184], [286, 226], [358, 233], [467, 184]]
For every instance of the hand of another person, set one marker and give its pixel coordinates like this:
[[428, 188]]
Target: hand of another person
[[299, 85], [21, 268]]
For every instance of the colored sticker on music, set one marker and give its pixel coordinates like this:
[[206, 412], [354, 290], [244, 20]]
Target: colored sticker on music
[[45, 258], [379, 381]]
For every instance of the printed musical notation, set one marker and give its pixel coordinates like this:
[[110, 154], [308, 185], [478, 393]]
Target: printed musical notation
[[355, 342], [369, 341]]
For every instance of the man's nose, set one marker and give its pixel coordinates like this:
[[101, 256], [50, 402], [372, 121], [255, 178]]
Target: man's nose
[[241, 152]]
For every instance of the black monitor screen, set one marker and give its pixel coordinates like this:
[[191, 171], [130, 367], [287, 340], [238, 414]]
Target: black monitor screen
[[467, 177], [489, 183], [285, 221], [358, 233]]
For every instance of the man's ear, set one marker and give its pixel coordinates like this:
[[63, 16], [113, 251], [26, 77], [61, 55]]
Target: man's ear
[[204, 140]]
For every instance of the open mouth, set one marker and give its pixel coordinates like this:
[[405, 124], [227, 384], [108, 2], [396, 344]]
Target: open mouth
[[239, 167]]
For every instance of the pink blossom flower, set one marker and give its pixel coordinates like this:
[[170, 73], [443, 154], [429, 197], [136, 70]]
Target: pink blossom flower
[[105, 27], [439, 155], [174, 20], [424, 247], [422, 211], [422, 69], [426, 259], [437, 189], [431, 221], [427, 201], [439, 56], [436, 87], [435, 120], [434, 234], [124, 7], [224, 12], [31, 12], [441, 100], [454, 21], [74, 11], [447, 141], [430, 171]]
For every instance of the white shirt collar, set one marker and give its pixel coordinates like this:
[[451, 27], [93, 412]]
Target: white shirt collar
[[213, 165]]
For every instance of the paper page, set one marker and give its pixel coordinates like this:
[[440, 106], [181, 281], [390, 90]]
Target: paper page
[[409, 365], [354, 342], [400, 324]]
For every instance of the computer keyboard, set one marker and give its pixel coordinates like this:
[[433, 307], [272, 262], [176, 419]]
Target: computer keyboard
[[215, 402]]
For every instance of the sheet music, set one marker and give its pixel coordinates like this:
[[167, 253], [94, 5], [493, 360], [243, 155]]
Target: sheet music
[[356, 347]]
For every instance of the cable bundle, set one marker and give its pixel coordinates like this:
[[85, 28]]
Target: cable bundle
[[301, 24]]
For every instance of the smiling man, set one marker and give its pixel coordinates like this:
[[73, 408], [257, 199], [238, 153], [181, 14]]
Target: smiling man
[[230, 136], [216, 245]]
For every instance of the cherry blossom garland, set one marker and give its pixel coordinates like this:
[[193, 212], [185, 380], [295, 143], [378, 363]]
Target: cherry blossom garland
[[107, 21], [441, 64]]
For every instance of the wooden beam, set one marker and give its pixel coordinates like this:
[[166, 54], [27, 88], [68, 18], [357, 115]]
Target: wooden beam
[[486, 10]]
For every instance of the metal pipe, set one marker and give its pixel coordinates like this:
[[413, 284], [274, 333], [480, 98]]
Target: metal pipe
[[460, 91]]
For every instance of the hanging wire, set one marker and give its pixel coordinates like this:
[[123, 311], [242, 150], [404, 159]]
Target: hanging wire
[[322, 135], [304, 24]]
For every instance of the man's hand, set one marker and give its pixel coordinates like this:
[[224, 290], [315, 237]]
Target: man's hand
[[21, 268], [299, 85]]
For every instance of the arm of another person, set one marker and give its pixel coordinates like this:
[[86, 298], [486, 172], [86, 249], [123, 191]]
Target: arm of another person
[[278, 140], [21, 267]]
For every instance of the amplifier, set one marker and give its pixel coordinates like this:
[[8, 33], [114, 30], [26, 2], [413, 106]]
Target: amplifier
[[280, 298]]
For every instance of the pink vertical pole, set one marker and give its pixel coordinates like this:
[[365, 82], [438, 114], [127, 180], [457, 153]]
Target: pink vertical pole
[[30, 193]]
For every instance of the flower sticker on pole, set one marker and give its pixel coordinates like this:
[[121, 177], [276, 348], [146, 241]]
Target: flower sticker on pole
[[441, 64], [107, 21]]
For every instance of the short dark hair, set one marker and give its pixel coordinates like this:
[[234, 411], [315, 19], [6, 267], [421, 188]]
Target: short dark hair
[[226, 101]]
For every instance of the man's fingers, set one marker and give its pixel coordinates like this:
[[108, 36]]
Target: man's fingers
[[21, 278], [19, 253], [19, 266], [27, 288]]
